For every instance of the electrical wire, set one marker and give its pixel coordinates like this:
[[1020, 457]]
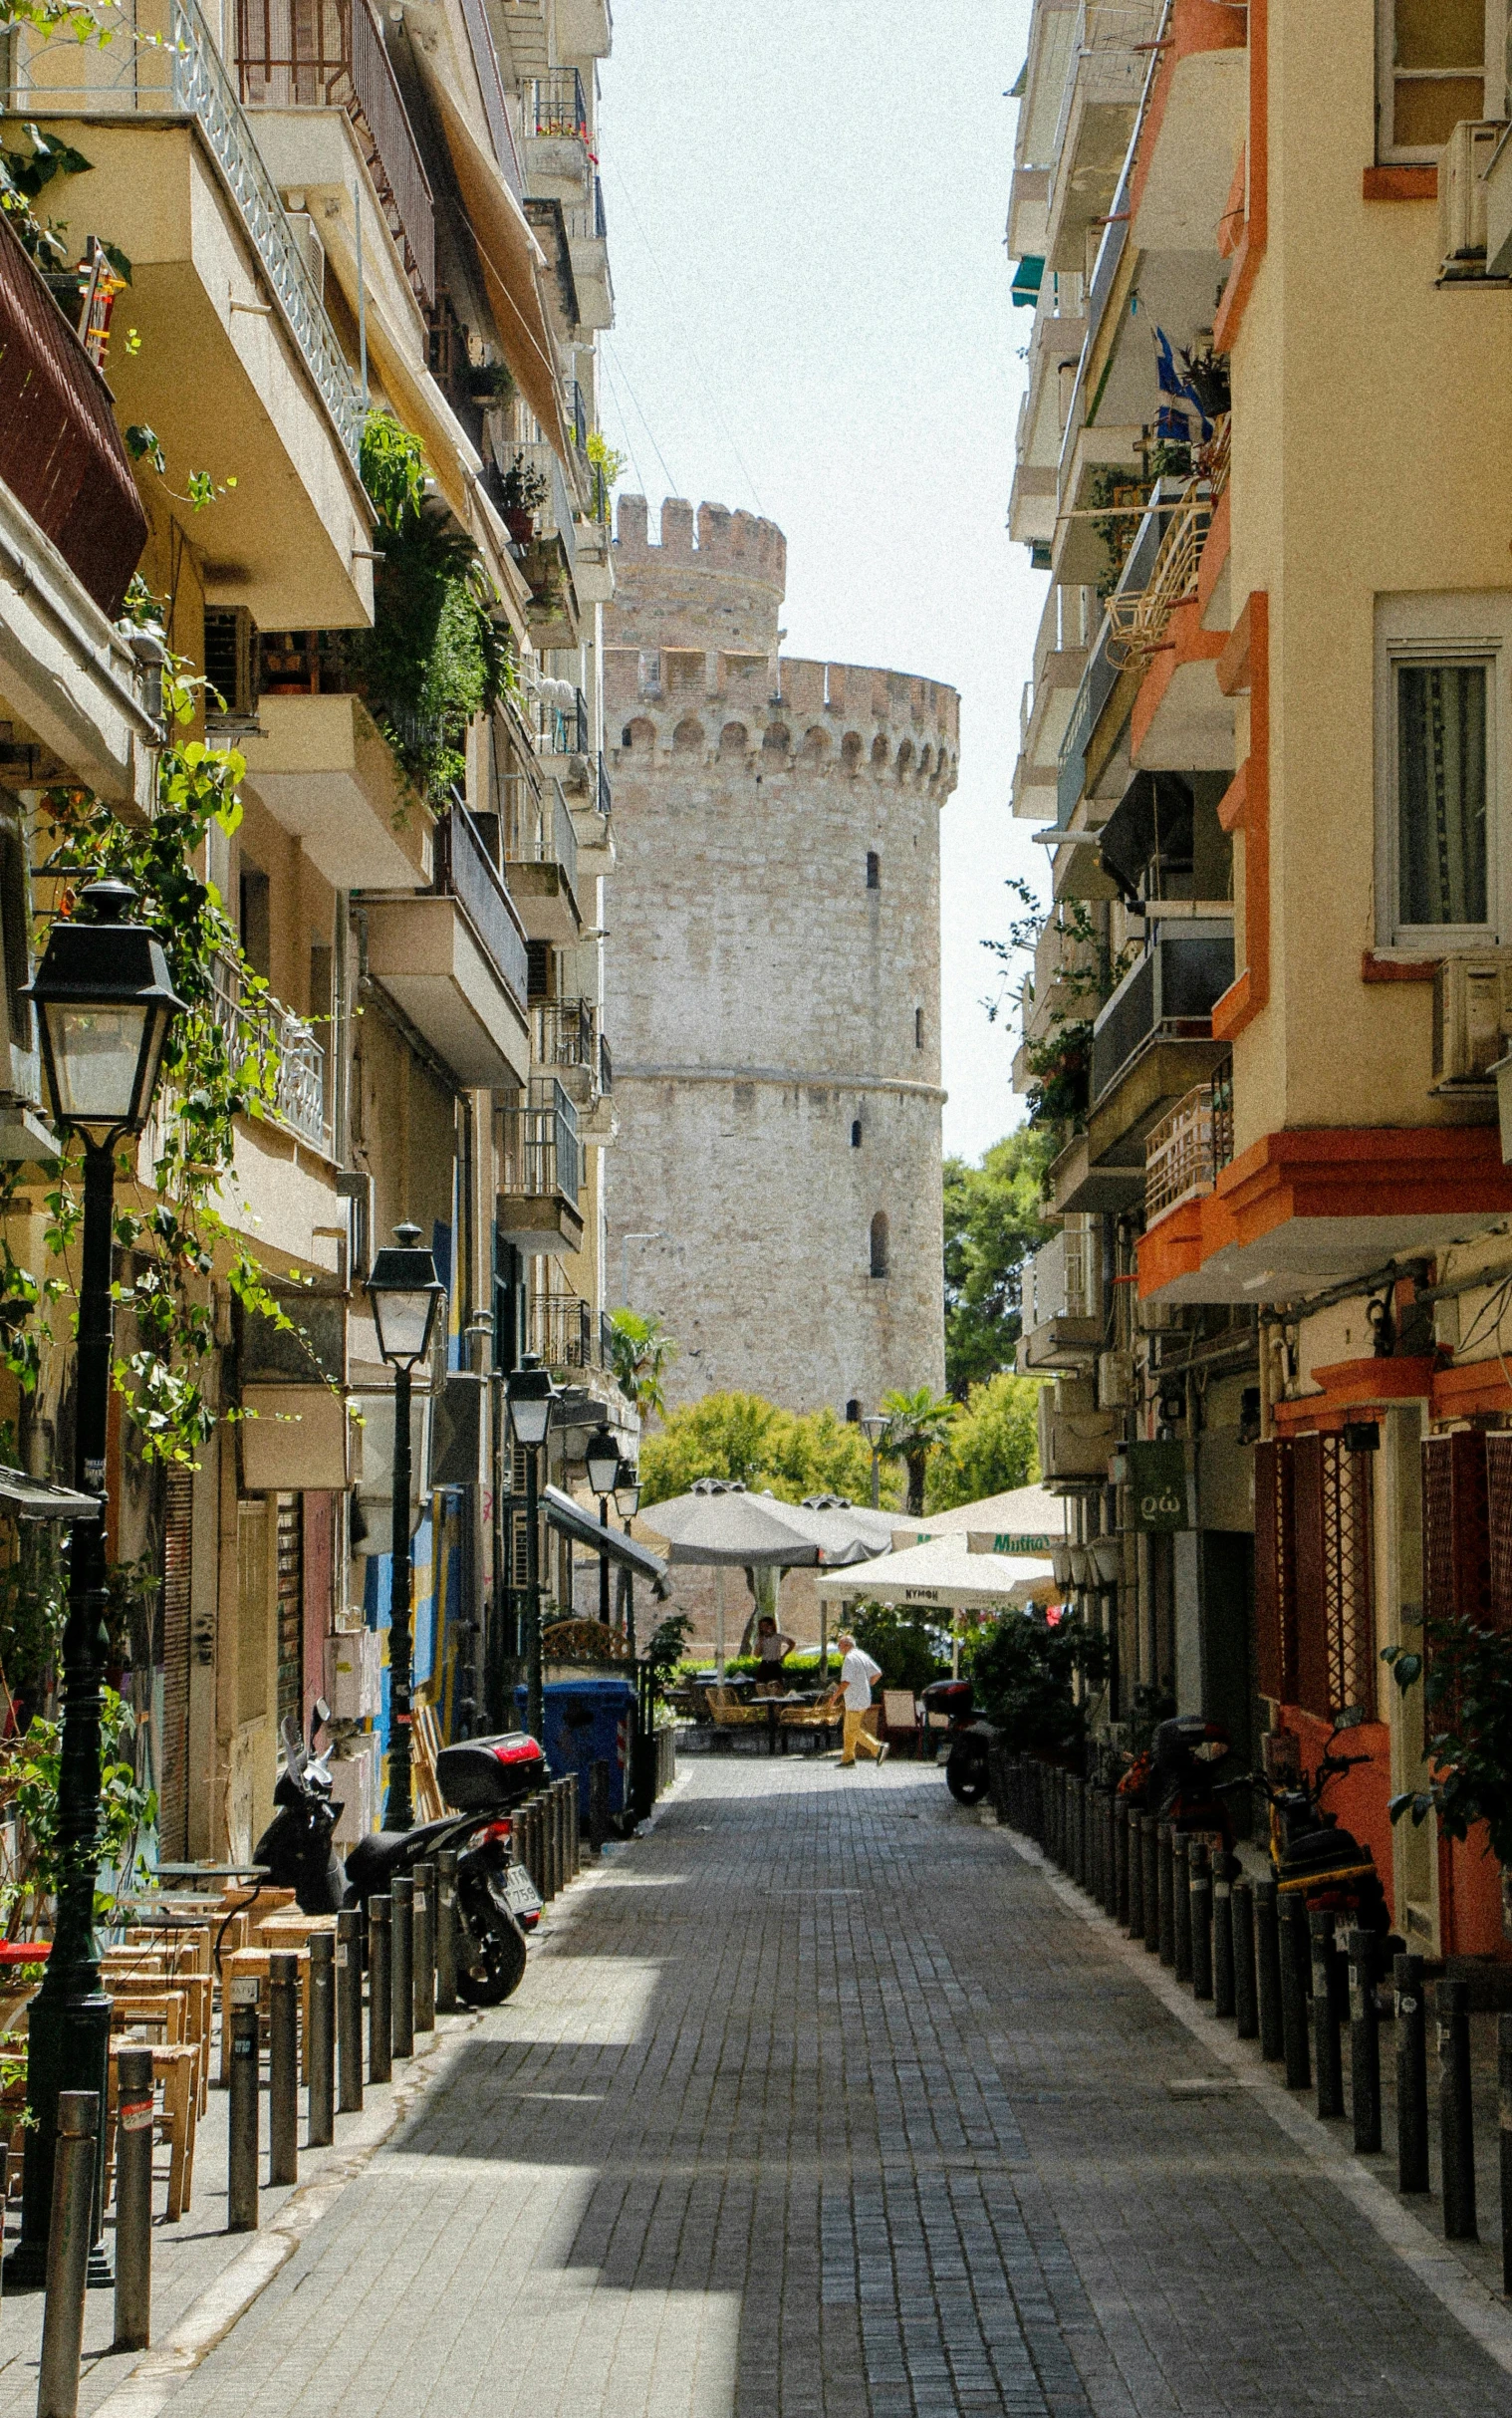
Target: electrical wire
[[673, 487], [630, 443]]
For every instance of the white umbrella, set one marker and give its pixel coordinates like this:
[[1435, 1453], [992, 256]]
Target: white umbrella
[[942, 1572], [719, 1526]]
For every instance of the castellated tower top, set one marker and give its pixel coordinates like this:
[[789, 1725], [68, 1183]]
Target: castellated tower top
[[726, 591]]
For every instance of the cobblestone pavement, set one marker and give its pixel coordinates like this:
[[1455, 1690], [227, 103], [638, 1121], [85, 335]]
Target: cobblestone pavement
[[821, 2102]]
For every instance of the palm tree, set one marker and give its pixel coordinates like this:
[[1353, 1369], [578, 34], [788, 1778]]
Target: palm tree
[[916, 1422], [640, 1350]]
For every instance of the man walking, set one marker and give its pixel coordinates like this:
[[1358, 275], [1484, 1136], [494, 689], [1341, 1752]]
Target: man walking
[[856, 1673]]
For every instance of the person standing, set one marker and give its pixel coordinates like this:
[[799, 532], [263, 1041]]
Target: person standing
[[773, 1647], [858, 1674]]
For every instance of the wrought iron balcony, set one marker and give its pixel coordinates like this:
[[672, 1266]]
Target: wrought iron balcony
[[566, 1037], [542, 1155], [466, 872], [555, 105], [561, 725], [299, 1097], [333, 55], [559, 1326], [1189, 1150]]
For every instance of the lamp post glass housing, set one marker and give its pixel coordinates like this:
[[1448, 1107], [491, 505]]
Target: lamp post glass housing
[[530, 1395], [627, 1491], [603, 1459], [407, 1295], [106, 1007]]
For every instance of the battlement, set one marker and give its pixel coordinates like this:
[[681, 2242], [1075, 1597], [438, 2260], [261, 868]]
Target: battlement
[[736, 543]]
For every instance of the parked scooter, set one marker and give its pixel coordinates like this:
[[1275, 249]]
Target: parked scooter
[[484, 1778], [1181, 1779], [971, 1737], [1314, 1857]]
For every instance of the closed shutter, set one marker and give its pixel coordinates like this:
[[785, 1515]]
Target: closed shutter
[[1457, 1524], [173, 1793], [291, 1611], [1499, 1525], [1275, 1572], [1336, 1642], [1312, 1606]]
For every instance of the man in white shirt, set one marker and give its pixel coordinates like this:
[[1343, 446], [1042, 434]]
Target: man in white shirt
[[856, 1673]]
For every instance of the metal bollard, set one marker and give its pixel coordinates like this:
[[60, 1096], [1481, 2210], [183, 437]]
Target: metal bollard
[[575, 1830], [1223, 1944], [1456, 2121], [67, 2253], [1330, 2070], [1150, 1854], [559, 1834], [1364, 2043], [348, 2009], [598, 1807], [244, 2112], [322, 2127], [133, 2200], [1122, 1873], [283, 2067], [1077, 1792], [1503, 2080], [1199, 1865], [424, 1947], [1166, 1884], [1295, 1947], [1182, 1904], [1411, 2077], [1246, 1994], [1110, 1856], [1136, 1855], [402, 1890], [1268, 1969], [380, 1990], [446, 1931]]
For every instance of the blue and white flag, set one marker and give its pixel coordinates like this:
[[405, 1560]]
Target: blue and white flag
[[1180, 420]]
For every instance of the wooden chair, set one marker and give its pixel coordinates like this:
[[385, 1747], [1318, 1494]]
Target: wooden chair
[[900, 1718], [175, 2070], [425, 1745], [728, 1714], [817, 1722], [252, 1964]]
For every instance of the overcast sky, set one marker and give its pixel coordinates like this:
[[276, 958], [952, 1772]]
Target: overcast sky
[[806, 207]]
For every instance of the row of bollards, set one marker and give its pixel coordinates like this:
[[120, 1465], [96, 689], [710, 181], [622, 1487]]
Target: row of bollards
[[1282, 1976]]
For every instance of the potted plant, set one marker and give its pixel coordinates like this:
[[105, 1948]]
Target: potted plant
[[522, 491], [491, 381], [1206, 373], [1465, 1669]]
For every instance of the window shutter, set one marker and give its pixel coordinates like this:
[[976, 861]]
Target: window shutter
[[177, 1537], [1275, 1571], [1456, 1528]]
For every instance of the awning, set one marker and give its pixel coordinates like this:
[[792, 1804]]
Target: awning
[[509, 257], [1153, 820], [570, 1519], [34, 1498], [1027, 277]]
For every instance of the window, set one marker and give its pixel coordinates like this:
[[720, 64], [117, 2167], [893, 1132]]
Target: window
[[1442, 879], [853, 1412], [874, 870], [1431, 74], [918, 1028], [879, 1243], [856, 1133]]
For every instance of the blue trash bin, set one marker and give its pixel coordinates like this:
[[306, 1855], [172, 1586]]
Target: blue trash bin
[[589, 1721]]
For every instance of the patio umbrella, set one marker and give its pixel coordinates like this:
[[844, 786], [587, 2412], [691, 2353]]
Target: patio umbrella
[[720, 1525], [872, 1531], [943, 1572]]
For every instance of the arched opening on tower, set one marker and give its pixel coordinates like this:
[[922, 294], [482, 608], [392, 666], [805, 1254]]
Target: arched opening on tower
[[816, 746], [776, 742], [734, 739], [687, 738], [880, 752], [879, 1243], [905, 759], [639, 736]]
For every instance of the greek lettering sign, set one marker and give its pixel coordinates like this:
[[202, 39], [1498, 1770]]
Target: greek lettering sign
[[1158, 1486]]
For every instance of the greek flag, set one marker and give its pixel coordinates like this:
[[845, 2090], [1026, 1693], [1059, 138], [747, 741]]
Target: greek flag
[[1180, 420]]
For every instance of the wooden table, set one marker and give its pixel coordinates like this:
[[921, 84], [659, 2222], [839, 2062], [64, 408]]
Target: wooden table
[[775, 1705]]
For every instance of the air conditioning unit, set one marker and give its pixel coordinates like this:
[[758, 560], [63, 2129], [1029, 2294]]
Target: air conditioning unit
[[1463, 166], [1472, 1017], [1076, 1439], [1114, 1381]]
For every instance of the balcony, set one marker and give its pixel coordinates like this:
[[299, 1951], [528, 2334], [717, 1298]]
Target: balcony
[[455, 963], [328, 776], [588, 249], [1064, 1325], [1151, 1042], [567, 1042], [1110, 59], [560, 1327], [540, 1169], [1187, 1152], [333, 55], [559, 719], [541, 862], [300, 1099], [1167, 997], [591, 820], [549, 558], [555, 123], [236, 343]]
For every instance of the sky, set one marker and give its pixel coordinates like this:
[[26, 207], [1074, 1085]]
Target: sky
[[806, 206]]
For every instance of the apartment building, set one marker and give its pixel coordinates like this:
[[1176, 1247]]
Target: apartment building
[[295, 228], [1264, 743]]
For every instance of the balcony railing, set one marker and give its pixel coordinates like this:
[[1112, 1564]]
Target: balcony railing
[[466, 872], [1187, 1150], [299, 1099], [1105, 660], [1169, 995], [561, 1327], [538, 830], [561, 727], [1066, 1275], [606, 1067], [602, 793], [542, 1155], [564, 1032], [555, 105], [1138, 616], [162, 62], [306, 54], [589, 224]]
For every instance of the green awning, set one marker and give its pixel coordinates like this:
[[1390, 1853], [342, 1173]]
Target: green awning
[[1026, 282]]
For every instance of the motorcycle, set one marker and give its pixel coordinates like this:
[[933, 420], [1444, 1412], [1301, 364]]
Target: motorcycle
[[1314, 1857], [484, 1778], [1178, 1778], [972, 1739]]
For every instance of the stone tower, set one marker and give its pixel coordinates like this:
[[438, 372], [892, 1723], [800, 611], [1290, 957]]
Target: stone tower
[[773, 988]]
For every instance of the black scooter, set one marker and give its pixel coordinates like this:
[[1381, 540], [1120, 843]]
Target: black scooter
[[971, 1737], [486, 1777]]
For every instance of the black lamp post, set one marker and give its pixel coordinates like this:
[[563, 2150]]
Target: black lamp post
[[407, 1294], [603, 1458], [530, 1395], [628, 1503], [105, 1007]]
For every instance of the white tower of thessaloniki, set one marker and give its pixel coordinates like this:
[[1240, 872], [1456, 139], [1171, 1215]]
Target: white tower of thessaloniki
[[772, 979]]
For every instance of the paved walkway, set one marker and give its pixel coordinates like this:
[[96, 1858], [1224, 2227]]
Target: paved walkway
[[821, 2102]]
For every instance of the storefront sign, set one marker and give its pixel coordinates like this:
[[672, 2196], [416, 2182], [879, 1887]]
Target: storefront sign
[[1158, 1486]]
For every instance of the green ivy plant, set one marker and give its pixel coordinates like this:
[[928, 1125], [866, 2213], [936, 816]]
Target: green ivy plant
[[29, 1766], [1465, 1672]]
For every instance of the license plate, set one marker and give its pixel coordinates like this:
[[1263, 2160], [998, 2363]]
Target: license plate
[[519, 1894]]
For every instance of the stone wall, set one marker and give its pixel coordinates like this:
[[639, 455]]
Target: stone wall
[[773, 989]]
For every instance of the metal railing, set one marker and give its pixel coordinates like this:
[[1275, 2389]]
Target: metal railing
[[1066, 1277], [561, 1328], [606, 1066], [564, 1032], [538, 829], [1105, 660], [589, 224], [555, 105], [1168, 994], [562, 729], [542, 458], [602, 793], [485, 60], [162, 62], [1110, 62], [1187, 1152], [302, 54], [542, 1155], [466, 871], [298, 1097]]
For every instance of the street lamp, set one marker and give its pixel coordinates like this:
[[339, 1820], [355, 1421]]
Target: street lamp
[[603, 1458], [875, 1429], [530, 1395], [628, 1503], [407, 1294], [105, 1008]]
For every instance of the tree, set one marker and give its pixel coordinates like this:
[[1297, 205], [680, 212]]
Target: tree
[[1024, 1677], [992, 1225], [992, 1446], [744, 1436], [640, 1350], [916, 1422]]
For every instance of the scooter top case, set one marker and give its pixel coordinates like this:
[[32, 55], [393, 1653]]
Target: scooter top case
[[489, 1774], [952, 1696]]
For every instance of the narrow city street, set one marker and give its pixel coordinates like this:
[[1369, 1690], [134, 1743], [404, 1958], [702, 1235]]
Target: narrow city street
[[823, 2097]]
